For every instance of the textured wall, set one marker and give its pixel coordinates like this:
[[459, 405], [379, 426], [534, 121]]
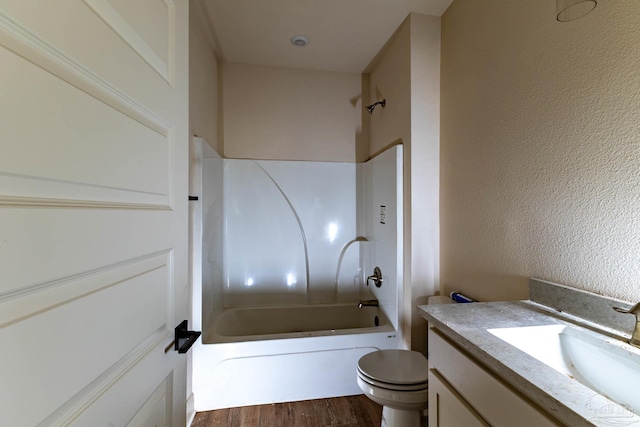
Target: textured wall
[[286, 114], [540, 148]]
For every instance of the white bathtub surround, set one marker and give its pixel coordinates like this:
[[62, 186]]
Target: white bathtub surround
[[206, 231], [299, 240], [295, 230], [381, 214], [343, 251], [285, 224]]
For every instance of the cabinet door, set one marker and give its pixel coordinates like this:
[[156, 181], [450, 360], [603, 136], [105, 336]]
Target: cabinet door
[[447, 408], [498, 404]]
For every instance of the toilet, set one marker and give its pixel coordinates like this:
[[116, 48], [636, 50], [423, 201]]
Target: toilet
[[397, 380]]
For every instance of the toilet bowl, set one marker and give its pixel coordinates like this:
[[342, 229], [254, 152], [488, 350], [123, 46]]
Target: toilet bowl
[[397, 380]]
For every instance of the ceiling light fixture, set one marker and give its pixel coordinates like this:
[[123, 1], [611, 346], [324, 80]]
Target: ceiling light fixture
[[299, 41]]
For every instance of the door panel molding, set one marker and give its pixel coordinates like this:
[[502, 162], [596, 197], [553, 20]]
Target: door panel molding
[[119, 24], [115, 338], [90, 394], [157, 407], [81, 195], [37, 189], [29, 301]]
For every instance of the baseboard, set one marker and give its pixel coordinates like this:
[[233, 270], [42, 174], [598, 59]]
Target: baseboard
[[191, 411]]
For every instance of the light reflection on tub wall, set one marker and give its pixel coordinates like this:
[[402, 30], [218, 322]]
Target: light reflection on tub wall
[[271, 209]]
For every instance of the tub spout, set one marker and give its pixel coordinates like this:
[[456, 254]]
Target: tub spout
[[368, 303]]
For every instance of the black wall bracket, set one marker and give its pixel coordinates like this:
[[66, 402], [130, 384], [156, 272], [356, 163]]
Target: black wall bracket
[[184, 338]]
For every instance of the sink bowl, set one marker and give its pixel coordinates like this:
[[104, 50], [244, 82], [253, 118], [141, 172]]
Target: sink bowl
[[605, 365]]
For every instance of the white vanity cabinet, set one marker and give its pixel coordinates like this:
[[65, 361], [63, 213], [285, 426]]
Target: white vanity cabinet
[[447, 407], [462, 393]]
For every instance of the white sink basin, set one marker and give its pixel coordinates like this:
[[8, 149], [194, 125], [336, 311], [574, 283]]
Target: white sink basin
[[603, 364]]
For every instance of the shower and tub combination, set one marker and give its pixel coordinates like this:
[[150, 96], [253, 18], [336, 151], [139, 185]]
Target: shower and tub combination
[[297, 273]]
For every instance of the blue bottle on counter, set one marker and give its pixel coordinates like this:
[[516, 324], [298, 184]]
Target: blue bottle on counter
[[458, 297]]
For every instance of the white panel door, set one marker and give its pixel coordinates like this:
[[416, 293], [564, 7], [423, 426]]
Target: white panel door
[[93, 211]]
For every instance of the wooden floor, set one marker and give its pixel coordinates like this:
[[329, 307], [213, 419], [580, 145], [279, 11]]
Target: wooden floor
[[349, 411]]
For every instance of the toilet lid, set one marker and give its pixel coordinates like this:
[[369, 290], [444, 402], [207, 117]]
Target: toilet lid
[[395, 367]]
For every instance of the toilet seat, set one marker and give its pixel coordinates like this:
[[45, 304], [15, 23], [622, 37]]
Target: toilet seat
[[401, 370], [391, 386], [411, 399]]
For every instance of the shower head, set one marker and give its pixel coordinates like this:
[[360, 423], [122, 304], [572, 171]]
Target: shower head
[[371, 107]]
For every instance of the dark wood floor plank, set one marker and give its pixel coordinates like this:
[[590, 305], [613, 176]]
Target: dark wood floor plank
[[365, 411], [267, 416], [201, 419], [305, 413], [234, 417], [250, 416], [282, 414], [340, 411], [349, 411]]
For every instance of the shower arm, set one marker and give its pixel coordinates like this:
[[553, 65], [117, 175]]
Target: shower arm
[[371, 107]]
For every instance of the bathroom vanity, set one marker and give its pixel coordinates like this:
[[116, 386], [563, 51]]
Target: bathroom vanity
[[525, 363], [463, 393]]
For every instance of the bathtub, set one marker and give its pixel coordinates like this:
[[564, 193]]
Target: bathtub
[[260, 355], [268, 323]]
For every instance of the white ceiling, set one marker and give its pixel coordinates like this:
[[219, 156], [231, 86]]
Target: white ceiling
[[344, 35]]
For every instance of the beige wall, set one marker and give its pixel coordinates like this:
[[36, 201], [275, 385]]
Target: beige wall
[[287, 114], [203, 80], [390, 79], [425, 168], [407, 74], [540, 148]]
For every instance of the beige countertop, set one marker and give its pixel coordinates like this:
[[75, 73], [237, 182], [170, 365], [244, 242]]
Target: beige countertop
[[566, 399]]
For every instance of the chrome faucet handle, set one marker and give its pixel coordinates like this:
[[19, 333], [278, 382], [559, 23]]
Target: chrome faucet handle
[[635, 310], [376, 277]]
